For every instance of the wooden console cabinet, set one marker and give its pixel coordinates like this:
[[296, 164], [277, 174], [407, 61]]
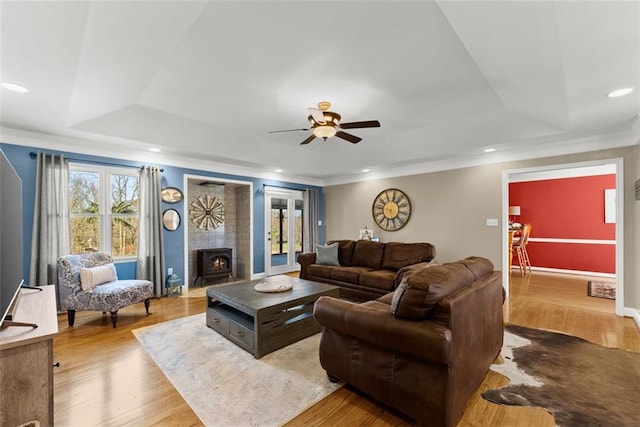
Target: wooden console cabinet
[[26, 361]]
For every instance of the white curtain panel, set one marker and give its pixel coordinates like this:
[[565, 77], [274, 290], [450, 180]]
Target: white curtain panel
[[310, 200], [150, 239], [50, 237]]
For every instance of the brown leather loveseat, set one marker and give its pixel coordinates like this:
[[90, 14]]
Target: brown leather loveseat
[[423, 349], [365, 270]]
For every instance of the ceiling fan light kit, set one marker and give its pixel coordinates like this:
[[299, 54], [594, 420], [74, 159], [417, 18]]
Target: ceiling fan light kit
[[325, 124]]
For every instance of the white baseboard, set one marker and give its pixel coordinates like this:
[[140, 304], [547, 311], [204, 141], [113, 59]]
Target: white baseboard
[[577, 272], [633, 313]]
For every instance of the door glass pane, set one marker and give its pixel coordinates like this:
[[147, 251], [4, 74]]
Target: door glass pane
[[279, 231], [299, 225]]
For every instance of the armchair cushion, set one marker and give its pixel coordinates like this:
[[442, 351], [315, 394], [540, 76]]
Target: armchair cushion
[[418, 293], [93, 276]]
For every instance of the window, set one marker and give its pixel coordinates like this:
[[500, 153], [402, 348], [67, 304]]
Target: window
[[103, 208]]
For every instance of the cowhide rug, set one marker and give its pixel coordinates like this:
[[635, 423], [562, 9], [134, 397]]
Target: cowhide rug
[[578, 382]]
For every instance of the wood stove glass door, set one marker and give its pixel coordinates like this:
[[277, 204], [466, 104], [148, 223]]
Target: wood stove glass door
[[284, 223]]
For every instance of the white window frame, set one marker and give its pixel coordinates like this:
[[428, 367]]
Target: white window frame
[[104, 202]]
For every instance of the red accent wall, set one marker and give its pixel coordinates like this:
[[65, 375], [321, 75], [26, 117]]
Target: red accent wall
[[566, 208]]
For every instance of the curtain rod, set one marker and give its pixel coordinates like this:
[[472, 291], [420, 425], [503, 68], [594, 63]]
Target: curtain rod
[[34, 155]]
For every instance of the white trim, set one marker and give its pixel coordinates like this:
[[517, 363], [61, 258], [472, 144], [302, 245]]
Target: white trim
[[633, 313], [100, 149], [512, 176], [291, 196], [578, 241], [186, 222], [577, 272]]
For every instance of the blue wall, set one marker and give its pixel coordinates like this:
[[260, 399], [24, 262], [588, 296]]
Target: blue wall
[[172, 176]]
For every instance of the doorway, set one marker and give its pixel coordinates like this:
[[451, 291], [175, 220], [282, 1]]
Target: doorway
[[533, 174], [284, 219]]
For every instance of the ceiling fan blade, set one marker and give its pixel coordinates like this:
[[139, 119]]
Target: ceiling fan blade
[[286, 130], [359, 125], [347, 136], [317, 114], [308, 140]]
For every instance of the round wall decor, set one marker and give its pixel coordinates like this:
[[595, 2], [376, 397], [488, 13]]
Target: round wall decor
[[391, 209], [171, 195], [206, 212]]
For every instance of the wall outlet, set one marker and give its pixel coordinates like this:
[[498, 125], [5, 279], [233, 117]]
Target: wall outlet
[[170, 271], [492, 222]]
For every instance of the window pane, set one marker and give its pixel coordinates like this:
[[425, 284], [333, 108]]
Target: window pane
[[124, 236], [83, 192], [298, 236], [124, 194], [275, 231], [85, 234]]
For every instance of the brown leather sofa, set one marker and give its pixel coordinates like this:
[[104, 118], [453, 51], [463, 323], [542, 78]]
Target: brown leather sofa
[[423, 349], [366, 270]]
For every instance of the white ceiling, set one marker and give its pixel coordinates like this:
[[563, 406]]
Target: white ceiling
[[205, 81]]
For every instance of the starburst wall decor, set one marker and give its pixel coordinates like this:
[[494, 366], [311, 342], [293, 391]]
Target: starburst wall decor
[[206, 212]]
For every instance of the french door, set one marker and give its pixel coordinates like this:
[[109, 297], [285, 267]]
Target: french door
[[284, 230]]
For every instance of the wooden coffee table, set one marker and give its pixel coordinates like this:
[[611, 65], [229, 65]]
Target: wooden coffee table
[[261, 322]]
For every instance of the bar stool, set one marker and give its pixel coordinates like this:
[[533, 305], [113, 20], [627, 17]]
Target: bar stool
[[520, 246]]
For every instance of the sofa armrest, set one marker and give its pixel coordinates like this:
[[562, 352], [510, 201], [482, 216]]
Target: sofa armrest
[[305, 260], [425, 340]]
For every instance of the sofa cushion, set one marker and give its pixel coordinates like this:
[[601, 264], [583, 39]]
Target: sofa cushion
[[348, 274], [478, 266], [327, 255], [419, 292], [368, 254], [398, 255], [379, 279], [317, 270], [94, 276], [345, 250]]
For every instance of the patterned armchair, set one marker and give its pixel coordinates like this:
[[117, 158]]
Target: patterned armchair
[[109, 296]]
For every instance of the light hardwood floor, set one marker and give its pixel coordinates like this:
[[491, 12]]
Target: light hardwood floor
[[106, 378]]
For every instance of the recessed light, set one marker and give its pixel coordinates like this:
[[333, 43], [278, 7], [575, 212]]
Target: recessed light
[[277, 170], [155, 150], [620, 92], [366, 170], [15, 87], [489, 150]]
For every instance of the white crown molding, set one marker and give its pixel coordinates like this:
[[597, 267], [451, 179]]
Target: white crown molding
[[628, 137], [80, 146]]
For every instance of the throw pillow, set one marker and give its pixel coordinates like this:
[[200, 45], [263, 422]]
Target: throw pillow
[[94, 276], [327, 255]]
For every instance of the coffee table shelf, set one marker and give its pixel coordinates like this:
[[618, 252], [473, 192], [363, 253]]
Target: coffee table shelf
[[263, 322]]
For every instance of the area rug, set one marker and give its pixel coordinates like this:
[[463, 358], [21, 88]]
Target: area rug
[[601, 289], [227, 386], [578, 382]]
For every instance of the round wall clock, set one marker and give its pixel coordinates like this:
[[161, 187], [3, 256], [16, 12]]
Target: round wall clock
[[207, 212], [391, 209]]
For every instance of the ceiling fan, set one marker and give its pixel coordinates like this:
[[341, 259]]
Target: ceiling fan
[[325, 124]]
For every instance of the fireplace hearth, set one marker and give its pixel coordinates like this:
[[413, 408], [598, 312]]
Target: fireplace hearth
[[215, 263]]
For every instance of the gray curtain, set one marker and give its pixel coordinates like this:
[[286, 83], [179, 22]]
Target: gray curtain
[[310, 199], [50, 237], [150, 239]]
